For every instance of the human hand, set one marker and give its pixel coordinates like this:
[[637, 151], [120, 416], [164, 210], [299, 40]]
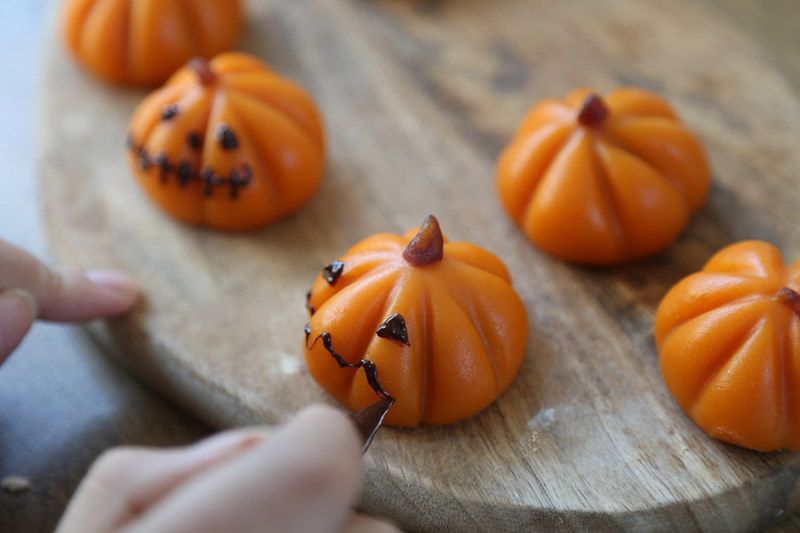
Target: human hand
[[302, 478], [29, 289]]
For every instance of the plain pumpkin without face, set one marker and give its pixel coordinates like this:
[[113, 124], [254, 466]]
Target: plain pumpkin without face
[[602, 180], [727, 342], [120, 40]]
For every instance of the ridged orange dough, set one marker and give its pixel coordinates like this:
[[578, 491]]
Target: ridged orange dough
[[142, 42], [729, 345], [600, 180], [465, 326], [227, 144]]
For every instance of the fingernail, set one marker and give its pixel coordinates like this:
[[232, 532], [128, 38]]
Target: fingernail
[[112, 280]]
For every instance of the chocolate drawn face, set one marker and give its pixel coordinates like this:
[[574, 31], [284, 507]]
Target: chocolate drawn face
[[182, 171], [210, 147]]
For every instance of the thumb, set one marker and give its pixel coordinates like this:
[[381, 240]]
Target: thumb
[[17, 312]]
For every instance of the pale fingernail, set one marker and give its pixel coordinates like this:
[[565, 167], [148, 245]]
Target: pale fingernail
[[112, 280]]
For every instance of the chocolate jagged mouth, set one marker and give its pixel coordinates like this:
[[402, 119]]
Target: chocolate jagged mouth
[[183, 174], [370, 418]]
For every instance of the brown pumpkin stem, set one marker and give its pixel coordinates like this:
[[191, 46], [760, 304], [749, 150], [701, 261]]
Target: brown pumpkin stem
[[427, 247], [593, 112], [789, 298], [203, 70]]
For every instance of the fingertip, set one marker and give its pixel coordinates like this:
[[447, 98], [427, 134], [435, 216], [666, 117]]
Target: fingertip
[[17, 312], [324, 419]]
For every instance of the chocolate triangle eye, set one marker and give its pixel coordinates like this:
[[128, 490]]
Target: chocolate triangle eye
[[395, 329], [332, 272]]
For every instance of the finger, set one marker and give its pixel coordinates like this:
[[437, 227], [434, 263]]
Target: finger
[[359, 523], [66, 295], [17, 312], [304, 478], [125, 482]]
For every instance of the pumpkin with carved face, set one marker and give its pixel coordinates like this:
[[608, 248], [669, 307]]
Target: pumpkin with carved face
[[227, 144], [439, 321]]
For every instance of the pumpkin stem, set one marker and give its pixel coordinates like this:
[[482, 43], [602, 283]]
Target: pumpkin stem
[[789, 298], [427, 247], [594, 111], [203, 70]]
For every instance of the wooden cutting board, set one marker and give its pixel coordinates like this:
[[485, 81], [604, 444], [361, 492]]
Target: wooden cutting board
[[418, 99]]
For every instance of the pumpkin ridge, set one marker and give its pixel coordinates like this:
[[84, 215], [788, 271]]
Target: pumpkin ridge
[[617, 142], [125, 37], [479, 312], [465, 253], [76, 19], [271, 182], [154, 121], [279, 110], [174, 166], [790, 375], [427, 380], [279, 113], [536, 181], [389, 307], [363, 349], [352, 353], [741, 300], [782, 354], [202, 123], [348, 283], [536, 187], [740, 342], [190, 19], [536, 190], [472, 316], [785, 339], [606, 192], [130, 59]]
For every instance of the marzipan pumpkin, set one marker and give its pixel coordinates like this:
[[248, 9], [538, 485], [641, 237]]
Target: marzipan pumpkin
[[142, 42], [440, 321], [227, 144], [729, 346], [603, 180]]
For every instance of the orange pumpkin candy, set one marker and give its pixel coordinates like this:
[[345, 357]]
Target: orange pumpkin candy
[[729, 345], [603, 181], [227, 144], [439, 320], [142, 42]]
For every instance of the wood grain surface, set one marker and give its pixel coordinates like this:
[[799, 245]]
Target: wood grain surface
[[418, 99]]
